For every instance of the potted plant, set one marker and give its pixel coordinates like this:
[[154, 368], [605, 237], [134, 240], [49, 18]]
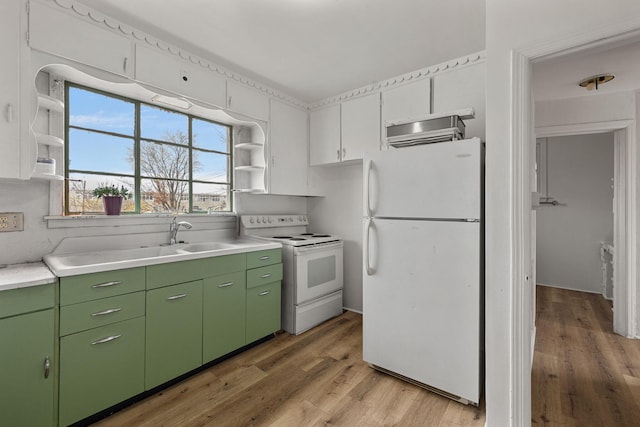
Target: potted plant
[[112, 197]]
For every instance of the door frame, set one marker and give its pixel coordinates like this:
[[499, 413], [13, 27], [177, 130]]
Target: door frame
[[624, 291]]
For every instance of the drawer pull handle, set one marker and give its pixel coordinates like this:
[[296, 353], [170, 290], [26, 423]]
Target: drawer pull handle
[[264, 258], [105, 312], [106, 284], [47, 367], [263, 293], [264, 276], [175, 297], [107, 339], [224, 285]]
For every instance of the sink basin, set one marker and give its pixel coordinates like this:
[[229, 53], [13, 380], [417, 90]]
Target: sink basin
[[105, 257], [205, 246]]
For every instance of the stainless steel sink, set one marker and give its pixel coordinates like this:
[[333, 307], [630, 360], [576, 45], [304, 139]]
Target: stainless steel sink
[[205, 246]]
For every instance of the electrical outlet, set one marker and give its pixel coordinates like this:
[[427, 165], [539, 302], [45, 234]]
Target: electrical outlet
[[11, 221]]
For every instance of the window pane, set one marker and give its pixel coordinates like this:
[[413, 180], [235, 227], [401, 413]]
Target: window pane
[[95, 111], [210, 136], [210, 197], [163, 161], [163, 125], [81, 199], [210, 166], [99, 152], [161, 195]]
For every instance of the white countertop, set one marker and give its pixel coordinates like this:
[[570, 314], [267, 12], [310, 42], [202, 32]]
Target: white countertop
[[24, 275]]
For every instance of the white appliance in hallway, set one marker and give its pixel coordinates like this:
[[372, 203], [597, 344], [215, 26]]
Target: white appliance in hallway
[[423, 290], [312, 266]]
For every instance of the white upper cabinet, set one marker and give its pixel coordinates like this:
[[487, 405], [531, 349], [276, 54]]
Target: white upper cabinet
[[324, 136], [247, 101], [406, 102], [165, 71], [17, 146], [360, 128], [55, 32], [288, 168], [462, 88]]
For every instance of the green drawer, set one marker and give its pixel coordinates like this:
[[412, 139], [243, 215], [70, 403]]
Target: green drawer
[[223, 315], [262, 258], [26, 300], [186, 271], [263, 311], [88, 287], [264, 275], [91, 314], [99, 368]]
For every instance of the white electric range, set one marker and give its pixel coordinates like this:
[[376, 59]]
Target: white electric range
[[312, 268]]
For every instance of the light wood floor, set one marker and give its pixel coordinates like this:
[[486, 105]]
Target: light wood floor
[[315, 379], [583, 374]]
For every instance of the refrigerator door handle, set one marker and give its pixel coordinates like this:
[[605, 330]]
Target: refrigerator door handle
[[367, 197], [367, 261]]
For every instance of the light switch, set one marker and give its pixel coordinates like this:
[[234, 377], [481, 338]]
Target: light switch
[[11, 221]]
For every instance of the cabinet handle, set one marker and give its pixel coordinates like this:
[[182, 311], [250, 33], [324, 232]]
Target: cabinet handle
[[107, 339], [264, 258], [104, 312], [124, 65], [175, 297], [10, 113], [224, 285], [47, 367], [338, 153], [344, 153], [105, 285], [263, 293], [264, 276], [229, 102]]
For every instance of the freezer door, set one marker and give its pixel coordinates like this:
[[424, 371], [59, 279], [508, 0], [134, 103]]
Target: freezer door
[[421, 302], [440, 180]]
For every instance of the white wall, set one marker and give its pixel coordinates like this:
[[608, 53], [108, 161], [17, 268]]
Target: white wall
[[579, 176], [518, 25], [340, 212]]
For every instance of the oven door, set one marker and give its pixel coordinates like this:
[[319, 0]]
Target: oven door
[[318, 270]]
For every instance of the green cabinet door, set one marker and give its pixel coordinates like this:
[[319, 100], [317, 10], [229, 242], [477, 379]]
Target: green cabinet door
[[99, 368], [26, 369], [174, 332], [223, 325], [263, 311]]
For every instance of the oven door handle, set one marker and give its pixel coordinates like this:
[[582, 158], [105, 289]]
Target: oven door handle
[[367, 259], [319, 247]]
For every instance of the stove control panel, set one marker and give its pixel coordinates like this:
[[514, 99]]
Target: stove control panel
[[264, 221]]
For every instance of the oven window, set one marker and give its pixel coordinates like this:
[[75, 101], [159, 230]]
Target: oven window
[[321, 271]]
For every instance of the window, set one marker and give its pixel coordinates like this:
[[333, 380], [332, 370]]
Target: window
[[170, 161]]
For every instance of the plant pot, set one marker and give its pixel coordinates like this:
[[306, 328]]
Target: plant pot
[[112, 204]]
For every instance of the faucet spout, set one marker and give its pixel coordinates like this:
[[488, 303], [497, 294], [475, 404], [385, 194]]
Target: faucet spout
[[174, 227]]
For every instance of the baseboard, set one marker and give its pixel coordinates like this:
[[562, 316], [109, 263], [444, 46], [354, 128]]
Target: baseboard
[[568, 289], [352, 309], [533, 344]]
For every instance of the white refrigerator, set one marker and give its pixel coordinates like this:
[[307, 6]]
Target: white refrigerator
[[423, 289]]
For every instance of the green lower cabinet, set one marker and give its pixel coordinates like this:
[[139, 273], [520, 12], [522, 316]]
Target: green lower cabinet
[[263, 311], [223, 325], [99, 368], [26, 369], [174, 332]]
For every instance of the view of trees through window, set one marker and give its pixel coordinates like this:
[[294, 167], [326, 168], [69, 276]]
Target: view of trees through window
[[170, 161]]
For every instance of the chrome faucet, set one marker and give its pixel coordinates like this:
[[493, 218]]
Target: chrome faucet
[[174, 227]]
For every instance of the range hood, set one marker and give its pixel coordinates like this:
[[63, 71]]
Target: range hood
[[439, 127]]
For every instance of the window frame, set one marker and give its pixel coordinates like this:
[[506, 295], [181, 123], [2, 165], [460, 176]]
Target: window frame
[[137, 140]]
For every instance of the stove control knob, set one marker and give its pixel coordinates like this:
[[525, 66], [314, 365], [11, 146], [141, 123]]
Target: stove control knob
[[290, 219], [258, 220], [304, 218], [251, 220], [270, 220], [264, 220]]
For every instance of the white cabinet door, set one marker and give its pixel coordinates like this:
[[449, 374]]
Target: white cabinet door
[[167, 72], [247, 101], [463, 88], [17, 147], [324, 136], [360, 126], [406, 102], [58, 33], [289, 164]]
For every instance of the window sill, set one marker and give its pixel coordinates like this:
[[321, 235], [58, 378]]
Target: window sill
[[76, 221]]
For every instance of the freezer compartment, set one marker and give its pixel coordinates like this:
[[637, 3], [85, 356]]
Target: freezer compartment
[[438, 181], [422, 315]]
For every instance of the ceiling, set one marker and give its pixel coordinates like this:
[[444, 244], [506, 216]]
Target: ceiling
[[558, 78], [311, 49]]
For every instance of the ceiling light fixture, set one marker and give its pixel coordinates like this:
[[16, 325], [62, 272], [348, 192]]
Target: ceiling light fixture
[[593, 82], [174, 102]]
